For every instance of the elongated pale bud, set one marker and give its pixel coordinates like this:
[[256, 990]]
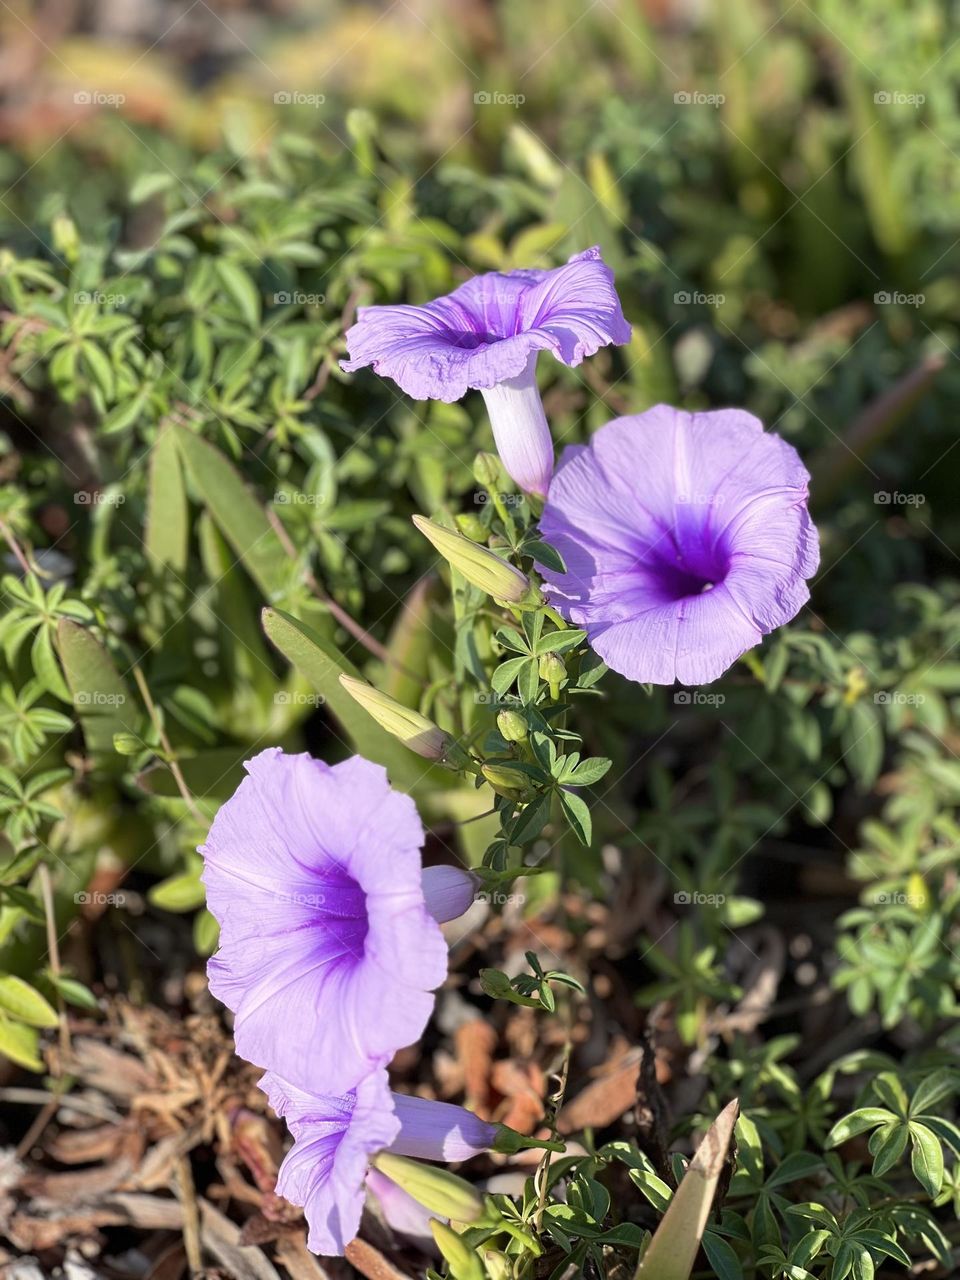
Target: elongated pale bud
[[438, 1190], [431, 1130], [448, 891], [520, 430], [413, 730], [464, 1262], [479, 565]]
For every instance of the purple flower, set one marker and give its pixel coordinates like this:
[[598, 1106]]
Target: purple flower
[[335, 1139], [686, 539], [487, 335], [330, 948]]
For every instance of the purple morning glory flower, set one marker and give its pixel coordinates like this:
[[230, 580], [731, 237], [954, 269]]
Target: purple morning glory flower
[[330, 947], [686, 538], [335, 1139], [487, 335]]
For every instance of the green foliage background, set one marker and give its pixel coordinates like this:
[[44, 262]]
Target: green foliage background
[[180, 451]]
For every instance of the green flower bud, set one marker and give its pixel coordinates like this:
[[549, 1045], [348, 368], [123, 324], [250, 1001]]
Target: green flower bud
[[487, 471], [437, 1189], [553, 669], [499, 1266], [413, 730], [504, 781], [512, 726], [66, 240], [472, 527], [464, 1262], [479, 565]]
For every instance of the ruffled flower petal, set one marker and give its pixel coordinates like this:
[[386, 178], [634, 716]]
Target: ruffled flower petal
[[686, 538], [314, 874], [335, 1138], [486, 331]]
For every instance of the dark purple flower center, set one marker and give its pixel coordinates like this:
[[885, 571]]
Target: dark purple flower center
[[469, 341], [687, 560], [339, 915]]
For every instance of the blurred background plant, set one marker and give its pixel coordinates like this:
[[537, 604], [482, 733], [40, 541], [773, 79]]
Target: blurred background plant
[[194, 200]]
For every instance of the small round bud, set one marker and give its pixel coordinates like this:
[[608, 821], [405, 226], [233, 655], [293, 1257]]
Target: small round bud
[[504, 781], [553, 669], [512, 726], [486, 470], [472, 527]]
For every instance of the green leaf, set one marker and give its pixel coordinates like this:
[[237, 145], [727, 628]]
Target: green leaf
[[926, 1158], [578, 815], [531, 821], [101, 698], [166, 526], [546, 555], [587, 772], [560, 641], [73, 992], [238, 514], [887, 1146], [863, 744], [242, 289], [20, 1044], [46, 666], [321, 664], [933, 1089], [722, 1257], [857, 1122], [25, 1003], [206, 933], [183, 892]]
